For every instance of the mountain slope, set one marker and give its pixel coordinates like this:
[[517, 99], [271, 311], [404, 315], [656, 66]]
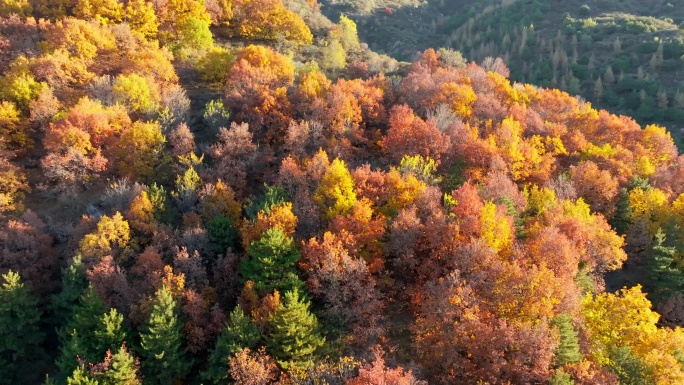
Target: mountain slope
[[626, 56]]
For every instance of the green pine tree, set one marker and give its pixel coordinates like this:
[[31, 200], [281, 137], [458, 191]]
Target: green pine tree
[[629, 368], [222, 234], [561, 378], [273, 263], [123, 369], [584, 280], [273, 196], [70, 355], [238, 334], [77, 337], [666, 278], [80, 376], [20, 333], [568, 347], [639, 182], [623, 213], [73, 284], [164, 355], [294, 337], [110, 333]]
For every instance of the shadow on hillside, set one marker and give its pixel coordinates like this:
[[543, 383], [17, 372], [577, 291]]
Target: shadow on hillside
[[400, 32]]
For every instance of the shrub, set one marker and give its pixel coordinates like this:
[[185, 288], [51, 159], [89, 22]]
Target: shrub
[[215, 65], [585, 10]]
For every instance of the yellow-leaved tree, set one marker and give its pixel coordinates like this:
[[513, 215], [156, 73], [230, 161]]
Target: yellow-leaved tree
[[508, 138], [658, 141], [18, 7], [403, 191], [336, 190], [140, 150], [105, 11], [218, 200], [349, 36], [111, 238], [174, 15], [12, 185], [650, 206], [622, 329], [141, 214], [496, 228], [135, 92], [278, 216], [270, 19], [19, 86], [12, 131], [460, 97], [540, 199], [140, 16]]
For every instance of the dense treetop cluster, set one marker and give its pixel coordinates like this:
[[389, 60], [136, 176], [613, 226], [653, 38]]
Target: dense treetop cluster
[[234, 192]]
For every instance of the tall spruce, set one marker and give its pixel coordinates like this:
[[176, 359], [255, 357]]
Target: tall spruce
[[73, 284], [164, 355], [294, 337], [567, 351], [77, 338], [273, 263], [20, 334], [623, 212], [70, 357], [666, 278], [238, 334]]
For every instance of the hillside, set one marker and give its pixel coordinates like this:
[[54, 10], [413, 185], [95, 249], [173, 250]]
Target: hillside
[[213, 192], [625, 56]]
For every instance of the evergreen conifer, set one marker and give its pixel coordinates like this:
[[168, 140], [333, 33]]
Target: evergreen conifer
[[77, 338], [73, 284], [666, 277], [561, 378], [80, 376], [164, 354], [110, 333], [294, 337], [238, 334], [122, 370], [568, 347], [20, 333], [273, 263]]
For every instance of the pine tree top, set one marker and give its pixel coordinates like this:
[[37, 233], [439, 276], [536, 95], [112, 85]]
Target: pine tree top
[[294, 336]]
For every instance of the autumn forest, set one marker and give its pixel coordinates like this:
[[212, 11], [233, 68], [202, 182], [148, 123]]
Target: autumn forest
[[242, 192]]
